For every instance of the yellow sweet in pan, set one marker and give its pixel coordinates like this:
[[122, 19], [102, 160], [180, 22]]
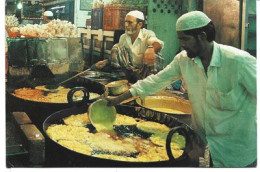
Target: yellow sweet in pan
[[77, 120], [124, 120], [42, 94], [107, 144], [153, 127], [68, 132], [76, 146]]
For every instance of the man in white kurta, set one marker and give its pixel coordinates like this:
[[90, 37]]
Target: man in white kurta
[[223, 101], [135, 44], [221, 84]]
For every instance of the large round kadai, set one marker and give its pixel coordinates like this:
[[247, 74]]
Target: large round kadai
[[38, 111], [59, 154]]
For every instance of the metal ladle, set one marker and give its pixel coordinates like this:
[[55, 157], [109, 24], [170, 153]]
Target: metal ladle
[[102, 116], [65, 81]]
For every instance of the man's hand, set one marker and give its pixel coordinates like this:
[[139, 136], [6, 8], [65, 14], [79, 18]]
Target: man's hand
[[183, 87], [101, 64], [117, 100], [112, 101], [149, 56]]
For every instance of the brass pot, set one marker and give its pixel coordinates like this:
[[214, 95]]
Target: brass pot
[[117, 87]]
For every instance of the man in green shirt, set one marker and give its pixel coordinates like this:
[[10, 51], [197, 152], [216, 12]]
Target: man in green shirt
[[221, 84]]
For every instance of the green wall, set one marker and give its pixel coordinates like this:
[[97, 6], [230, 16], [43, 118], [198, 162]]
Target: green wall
[[251, 42], [161, 18]]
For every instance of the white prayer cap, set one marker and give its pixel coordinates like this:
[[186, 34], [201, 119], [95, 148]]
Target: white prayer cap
[[136, 14], [48, 14], [192, 20]]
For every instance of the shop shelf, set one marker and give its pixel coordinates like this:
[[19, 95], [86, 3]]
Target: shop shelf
[[114, 17]]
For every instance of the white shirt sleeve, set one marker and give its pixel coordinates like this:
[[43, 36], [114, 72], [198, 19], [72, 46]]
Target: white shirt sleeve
[[248, 74], [154, 83], [153, 39]]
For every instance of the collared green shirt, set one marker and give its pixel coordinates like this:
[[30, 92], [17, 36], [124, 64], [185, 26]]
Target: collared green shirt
[[223, 101], [138, 48]]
